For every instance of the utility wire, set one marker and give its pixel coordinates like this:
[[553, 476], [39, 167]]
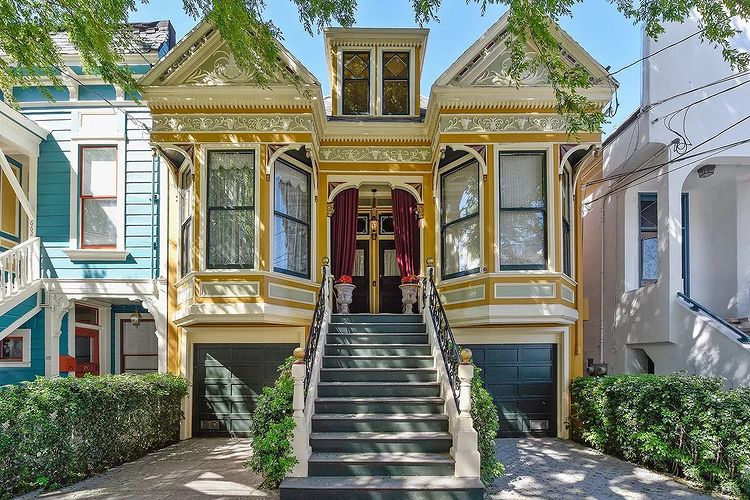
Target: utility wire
[[655, 53]]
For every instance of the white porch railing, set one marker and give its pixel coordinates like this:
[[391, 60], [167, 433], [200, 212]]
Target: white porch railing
[[19, 268]]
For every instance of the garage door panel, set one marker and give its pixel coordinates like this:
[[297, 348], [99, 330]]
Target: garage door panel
[[522, 381], [227, 381]]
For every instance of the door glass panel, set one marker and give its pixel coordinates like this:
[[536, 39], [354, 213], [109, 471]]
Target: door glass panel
[[390, 263], [359, 263], [83, 349]]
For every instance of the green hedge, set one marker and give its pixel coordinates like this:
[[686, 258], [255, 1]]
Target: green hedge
[[272, 429], [58, 431], [486, 423], [684, 425]]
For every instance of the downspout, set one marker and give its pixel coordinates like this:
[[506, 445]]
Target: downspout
[[154, 202], [601, 283]]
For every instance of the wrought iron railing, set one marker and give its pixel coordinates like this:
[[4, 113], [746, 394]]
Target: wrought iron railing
[[311, 348], [443, 333], [696, 306]]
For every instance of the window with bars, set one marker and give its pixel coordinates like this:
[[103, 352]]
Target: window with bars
[[98, 196], [566, 211], [648, 239], [395, 70], [230, 210], [356, 83], [523, 210], [459, 228], [186, 221], [291, 245]]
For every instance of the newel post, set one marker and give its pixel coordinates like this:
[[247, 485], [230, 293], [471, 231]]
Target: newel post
[[467, 443], [301, 436]]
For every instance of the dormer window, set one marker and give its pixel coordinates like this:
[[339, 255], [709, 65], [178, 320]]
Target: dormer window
[[395, 83], [356, 83]]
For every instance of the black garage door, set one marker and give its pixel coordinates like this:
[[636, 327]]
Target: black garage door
[[227, 380], [522, 379]]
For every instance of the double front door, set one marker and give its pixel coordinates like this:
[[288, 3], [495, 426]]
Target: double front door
[[376, 274]]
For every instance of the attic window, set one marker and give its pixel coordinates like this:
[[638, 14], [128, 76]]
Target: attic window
[[395, 83], [356, 83]]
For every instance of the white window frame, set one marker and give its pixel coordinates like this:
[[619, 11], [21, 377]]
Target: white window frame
[[184, 211], [413, 99], [340, 80], [271, 218], [571, 222], [439, 214], [553, 212], [202, 245], [25, 362]]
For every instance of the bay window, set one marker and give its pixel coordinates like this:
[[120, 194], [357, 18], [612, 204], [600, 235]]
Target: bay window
[[98, 196], [459, 195], [566, 211], [186, 221], [523, 211], [230, 210], [291, 236]]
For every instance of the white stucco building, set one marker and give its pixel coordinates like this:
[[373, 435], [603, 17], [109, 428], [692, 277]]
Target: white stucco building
[[666, 223]]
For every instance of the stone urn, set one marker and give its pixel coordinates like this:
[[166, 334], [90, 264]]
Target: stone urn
[[344, 293], [409, 295]]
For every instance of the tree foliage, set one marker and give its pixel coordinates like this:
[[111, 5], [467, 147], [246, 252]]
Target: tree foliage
[[95, 29]]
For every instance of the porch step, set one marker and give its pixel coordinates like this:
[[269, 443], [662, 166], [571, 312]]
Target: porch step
[[433, 405], [379, 422], [382, 488], [377, 338], [377, 350], [384, 327], [381, 442], [381, 464], [378, 374], [378, 362], [376, 318], [364, 389]]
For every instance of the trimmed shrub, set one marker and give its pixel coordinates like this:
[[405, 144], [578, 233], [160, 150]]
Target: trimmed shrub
[[272, 429], [58, 431], [486, 423], [684, 425]]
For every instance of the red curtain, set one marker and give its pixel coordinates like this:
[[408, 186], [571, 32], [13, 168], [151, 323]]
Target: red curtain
[[344, 224], [406, 231]]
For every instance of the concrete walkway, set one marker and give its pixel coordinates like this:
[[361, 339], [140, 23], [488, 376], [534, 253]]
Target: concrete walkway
[[554, 468], [192, 469], [536, 468]]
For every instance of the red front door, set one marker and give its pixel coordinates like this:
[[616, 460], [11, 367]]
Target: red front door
[[87, 352]]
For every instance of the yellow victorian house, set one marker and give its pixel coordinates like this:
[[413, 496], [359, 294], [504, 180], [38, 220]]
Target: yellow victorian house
[[474, 185]]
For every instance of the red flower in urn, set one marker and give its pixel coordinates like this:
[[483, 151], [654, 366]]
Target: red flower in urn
[[410, 279], [344, 279]]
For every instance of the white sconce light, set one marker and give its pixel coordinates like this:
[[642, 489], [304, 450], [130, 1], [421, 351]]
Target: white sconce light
[[135, 318]]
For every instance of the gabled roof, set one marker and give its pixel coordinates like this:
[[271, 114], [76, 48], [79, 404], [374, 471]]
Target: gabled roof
[[485, 63], [202, 58], [149, 37]]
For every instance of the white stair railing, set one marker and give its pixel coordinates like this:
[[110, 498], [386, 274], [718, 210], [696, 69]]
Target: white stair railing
[[19, 268]]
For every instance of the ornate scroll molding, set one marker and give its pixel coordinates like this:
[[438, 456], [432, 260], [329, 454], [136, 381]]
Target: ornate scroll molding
[[232, 123], [384, 154], [502, 123]]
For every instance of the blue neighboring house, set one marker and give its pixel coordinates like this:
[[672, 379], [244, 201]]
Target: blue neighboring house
[[82, 267]]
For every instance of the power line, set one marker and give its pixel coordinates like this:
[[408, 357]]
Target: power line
[[657, 52]]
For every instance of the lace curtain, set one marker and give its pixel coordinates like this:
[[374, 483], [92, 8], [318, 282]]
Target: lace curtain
[[231, 209], [291, 220]]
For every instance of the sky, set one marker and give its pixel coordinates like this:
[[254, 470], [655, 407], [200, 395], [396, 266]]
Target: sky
[[596, 25]]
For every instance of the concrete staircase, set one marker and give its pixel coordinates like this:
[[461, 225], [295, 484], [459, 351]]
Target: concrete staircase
[[379, 430]]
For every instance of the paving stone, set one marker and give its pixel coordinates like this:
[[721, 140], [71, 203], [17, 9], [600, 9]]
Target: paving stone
[[552, 468]]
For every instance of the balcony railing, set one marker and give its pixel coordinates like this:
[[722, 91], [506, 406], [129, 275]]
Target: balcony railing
[[19, 268]]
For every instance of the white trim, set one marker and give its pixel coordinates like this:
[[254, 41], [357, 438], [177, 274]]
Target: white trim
[[25, 362], [202, 245], [552, 211], [20, 321], [96, 254]]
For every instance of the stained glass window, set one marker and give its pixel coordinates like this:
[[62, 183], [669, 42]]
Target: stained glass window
[[356, 83], [395, 83]]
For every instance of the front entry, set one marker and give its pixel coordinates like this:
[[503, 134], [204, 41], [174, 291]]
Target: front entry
[[87, 351]]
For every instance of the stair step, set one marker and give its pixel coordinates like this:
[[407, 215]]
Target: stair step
[[375, 389], [389, 405], [379, 422], [381, 327], [377, 338], [330, 361], [381, 464], [377, 318], [382, 488], [378, 442], [377, 350], [378, 374]]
